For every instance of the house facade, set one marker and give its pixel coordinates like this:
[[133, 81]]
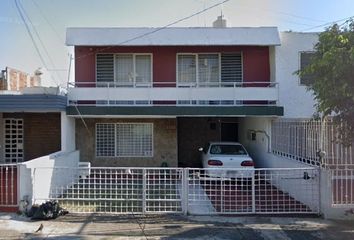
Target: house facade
[[142, 99]]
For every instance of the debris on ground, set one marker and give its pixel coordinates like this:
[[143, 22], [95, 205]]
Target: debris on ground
[[46, 211]]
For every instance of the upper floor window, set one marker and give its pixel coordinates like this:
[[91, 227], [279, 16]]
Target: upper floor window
[[305, 60], [209, 69], [124, 69]]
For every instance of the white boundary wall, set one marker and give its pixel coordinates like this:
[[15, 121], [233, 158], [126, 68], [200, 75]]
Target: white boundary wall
[[34, 185]]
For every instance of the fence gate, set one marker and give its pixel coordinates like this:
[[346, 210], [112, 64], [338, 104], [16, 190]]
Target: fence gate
[[8, 188], [259, 191], [178, 190], [112, 190]]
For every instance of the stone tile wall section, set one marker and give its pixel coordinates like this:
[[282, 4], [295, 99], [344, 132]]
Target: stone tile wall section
[[164, 136]]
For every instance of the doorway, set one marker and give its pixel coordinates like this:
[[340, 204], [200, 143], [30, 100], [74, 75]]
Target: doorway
[[229, 132]]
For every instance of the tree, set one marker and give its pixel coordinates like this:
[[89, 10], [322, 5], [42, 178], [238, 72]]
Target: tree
[[332, 69]]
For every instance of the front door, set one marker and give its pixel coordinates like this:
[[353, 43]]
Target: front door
[[229, 132]]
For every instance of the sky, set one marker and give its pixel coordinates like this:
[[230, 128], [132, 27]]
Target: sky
[[48, 20]]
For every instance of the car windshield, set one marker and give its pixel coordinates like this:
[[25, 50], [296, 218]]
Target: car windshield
[[227, 149]]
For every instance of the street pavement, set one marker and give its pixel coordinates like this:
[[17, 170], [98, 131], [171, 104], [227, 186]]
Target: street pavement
[[96, 226]]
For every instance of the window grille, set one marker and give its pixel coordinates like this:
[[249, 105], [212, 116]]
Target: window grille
[[231, 67], [13, 140], [134, 140], [104, 68], [105, 140], [124, 140]]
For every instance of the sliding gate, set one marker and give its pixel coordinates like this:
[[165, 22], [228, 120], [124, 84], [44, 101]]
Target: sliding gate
[[8, 188], [184, 190]]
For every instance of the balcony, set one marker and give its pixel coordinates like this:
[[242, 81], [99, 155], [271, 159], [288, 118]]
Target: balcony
[[168, 93]]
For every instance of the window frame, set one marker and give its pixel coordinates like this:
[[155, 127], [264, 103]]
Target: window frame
[[134, 54], [299, 66], [196, 56], [115, 139]]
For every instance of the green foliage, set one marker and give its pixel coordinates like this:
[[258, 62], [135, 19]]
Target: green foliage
[[333, 69]]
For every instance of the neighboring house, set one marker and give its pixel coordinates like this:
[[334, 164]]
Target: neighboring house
[[30, 123]]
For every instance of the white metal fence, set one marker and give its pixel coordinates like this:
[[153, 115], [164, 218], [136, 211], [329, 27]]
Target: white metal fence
[[8, 185], [342, 183], [303, 140], [298, 140], [259, 191], [185, 190]]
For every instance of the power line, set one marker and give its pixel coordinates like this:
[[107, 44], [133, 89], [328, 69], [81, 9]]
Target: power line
[[61, 39], [157, 29], [326, 24], [30, 34], [40, 41], [286, 14]]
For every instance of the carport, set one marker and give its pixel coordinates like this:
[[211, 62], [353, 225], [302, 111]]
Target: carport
[[196, 132]]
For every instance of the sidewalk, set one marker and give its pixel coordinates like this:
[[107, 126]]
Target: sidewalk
[[95, 226]]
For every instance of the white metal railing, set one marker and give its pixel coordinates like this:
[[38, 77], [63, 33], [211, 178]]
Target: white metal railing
[[302, 140], [186, 190], [171, 93], [170, 84], [342, 183], [8, 185]]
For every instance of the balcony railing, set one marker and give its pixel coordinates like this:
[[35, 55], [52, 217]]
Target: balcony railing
[[172, 93]]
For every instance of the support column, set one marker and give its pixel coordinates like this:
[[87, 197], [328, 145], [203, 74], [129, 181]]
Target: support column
[[67, 133]]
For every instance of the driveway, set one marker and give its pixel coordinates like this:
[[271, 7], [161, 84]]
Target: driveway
[[95, 226]]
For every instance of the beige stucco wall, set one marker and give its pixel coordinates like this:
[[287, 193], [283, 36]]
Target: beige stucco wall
[[164, 136]]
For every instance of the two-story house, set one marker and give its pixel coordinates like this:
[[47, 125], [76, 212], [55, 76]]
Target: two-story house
[[152, 97]]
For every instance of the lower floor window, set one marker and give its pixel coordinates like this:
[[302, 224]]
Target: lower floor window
[[124, 139]]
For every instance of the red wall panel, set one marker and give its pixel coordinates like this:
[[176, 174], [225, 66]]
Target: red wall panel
[[255, 60], [85, 64], [256, 65]]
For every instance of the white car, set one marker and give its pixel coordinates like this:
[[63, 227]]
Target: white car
[[227, 159]]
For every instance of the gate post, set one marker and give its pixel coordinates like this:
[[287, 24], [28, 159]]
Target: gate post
[[144, 190], [185, 190], [253, 192]]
